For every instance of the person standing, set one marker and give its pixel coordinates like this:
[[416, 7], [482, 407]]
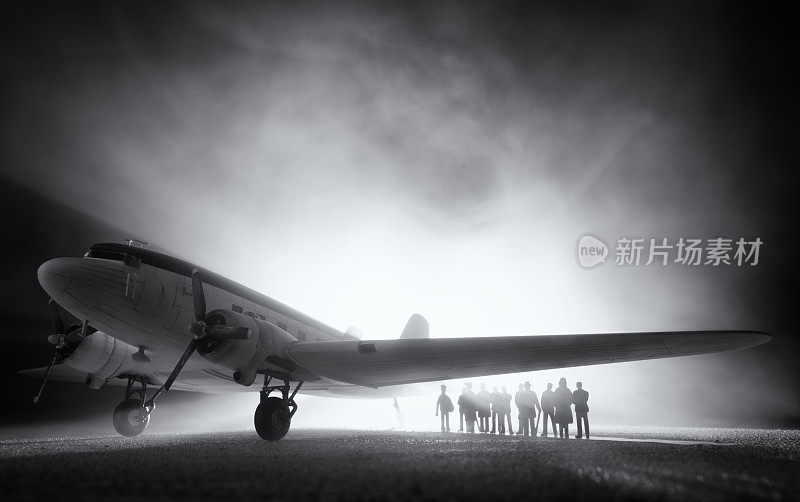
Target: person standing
[[446, 406], [519, 401], [472, 406], [563, 404], [462, 408], [484, 411], [580, 398], [505, 399], [548, 410], [530, 406], [496, 405]]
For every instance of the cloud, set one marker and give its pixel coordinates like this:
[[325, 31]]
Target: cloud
[[363, 165]]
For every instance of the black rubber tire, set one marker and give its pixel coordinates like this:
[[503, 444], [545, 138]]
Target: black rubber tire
[[272, 419], [128, 418]]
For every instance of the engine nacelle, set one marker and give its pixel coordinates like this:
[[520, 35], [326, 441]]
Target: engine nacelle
[[101, 357], [262, 351]]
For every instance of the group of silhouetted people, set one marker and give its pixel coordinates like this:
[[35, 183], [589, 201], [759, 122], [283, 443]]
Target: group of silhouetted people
[[480, 407]]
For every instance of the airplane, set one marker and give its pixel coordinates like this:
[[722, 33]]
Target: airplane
[[149, 319]]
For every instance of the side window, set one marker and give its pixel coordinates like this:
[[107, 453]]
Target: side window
[[237, 308], [132, 261], [281, 325], [301, 335]]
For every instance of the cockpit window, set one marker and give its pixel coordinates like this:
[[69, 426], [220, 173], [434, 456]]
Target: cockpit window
[[127, 259]]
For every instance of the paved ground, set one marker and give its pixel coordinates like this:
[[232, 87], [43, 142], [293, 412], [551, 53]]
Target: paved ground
[[705, 464]]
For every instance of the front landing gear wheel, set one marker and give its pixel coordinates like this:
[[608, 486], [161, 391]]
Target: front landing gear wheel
[[272, 419], [130, 418]]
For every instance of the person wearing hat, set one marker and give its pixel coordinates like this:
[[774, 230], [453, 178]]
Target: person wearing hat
[[563, 402], [580, 398], [446, 406], [529, 409]]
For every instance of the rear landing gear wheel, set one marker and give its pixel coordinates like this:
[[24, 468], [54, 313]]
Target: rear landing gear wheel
[[272, 419], [130, 417]]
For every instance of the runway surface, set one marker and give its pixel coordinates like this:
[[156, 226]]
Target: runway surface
[[654, 464]]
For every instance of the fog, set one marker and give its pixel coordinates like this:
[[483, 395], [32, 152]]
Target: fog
[[362, 165]]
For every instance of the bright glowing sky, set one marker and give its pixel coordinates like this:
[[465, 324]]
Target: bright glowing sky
[[362, 172]]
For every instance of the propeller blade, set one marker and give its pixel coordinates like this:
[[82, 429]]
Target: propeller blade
[[149, 405], [55, 318], [44, 380], [222, 331], [200, 331], [178, 367], [198, 296]]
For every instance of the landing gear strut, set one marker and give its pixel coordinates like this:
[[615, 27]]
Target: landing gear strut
[[131, 416], [274, 414]]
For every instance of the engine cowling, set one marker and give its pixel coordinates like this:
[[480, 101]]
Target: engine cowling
[[101, 357], [262, 351]]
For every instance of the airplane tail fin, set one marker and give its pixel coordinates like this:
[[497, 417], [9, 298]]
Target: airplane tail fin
[[354, 333], [416, 327]]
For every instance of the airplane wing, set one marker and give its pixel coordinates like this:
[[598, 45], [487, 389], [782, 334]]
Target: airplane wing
[[378, 363], [195, 380], [209, 381]]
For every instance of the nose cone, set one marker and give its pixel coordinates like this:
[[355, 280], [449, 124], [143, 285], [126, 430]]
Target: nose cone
[[54, 275]]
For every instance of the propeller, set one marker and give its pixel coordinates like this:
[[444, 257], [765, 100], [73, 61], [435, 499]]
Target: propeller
[[202, 333], [64, 341], [199, 328]]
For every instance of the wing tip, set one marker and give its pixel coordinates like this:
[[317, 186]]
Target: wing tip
[[756, 338]]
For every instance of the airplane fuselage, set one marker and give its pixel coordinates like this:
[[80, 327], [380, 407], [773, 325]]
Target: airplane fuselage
[[163, 321], [145, 299]]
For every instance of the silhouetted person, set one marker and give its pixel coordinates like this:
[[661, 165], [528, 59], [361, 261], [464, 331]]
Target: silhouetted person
[[472, 406], [495, 398], [563, 402], [445, 405], [484, 411], [548, 410], [462, 408], [518, 400], [505, 399], [529, 405], [580, 398]]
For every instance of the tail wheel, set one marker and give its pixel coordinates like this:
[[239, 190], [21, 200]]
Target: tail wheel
[[130, 418], [272, 419]]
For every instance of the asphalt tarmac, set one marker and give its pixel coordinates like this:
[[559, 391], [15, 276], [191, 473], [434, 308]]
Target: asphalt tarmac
[[621, 464]]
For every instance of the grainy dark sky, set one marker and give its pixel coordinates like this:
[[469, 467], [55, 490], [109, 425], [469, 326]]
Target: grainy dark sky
[[446, 155]]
